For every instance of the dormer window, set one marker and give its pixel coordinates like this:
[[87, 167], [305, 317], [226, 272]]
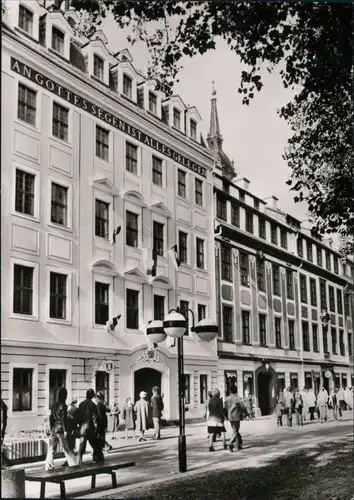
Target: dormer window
[[98, 66], [152, 103], [193, 129], [127, 86], [176, 118], [58, 40], [25, 20]]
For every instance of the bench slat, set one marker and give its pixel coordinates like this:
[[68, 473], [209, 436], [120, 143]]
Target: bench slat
[[77, 471]]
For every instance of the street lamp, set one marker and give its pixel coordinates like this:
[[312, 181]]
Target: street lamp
[[175, 326]]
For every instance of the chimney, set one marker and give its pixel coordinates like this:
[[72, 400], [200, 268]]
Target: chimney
[[244, 183], [272, 201]]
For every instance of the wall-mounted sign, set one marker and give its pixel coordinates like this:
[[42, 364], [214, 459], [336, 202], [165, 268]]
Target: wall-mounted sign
[[328, 374], [78, 101], [109, 366]]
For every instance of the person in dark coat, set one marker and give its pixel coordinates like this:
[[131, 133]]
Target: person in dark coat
[[73, 426], [157, 409], [58, 422], [234, 410], [129, 417], [215, 422], [3, 419], [88, 428], [298, 407], [102, 422]]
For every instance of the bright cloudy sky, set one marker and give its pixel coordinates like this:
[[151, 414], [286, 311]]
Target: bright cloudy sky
[[254, 136]]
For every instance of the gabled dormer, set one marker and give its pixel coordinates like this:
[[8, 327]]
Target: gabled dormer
[[97, 57], [174, 109], [193, 119], [124, 56], [23, 16], [58, 33], [149, 97], [128, 79]]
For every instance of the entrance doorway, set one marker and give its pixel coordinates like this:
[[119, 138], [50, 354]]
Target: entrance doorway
[[144, 380], [265, 393]]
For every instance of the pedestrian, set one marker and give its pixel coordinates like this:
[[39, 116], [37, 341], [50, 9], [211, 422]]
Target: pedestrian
[[341, 399], [102, 422], [248, 400], [333, 404], [73, 427], [206, 409], [129, 417], [348, 395], [58, 422], [215, 422], [298, 407], [289, 403], [115, 418], [157, 409], [311, 402], [141, 409], [234, 410], [3, 419], [322, 404], [279, 408], [88, 428], [305, 408]]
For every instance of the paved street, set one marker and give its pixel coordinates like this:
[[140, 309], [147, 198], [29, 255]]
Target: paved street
[[264, 443]]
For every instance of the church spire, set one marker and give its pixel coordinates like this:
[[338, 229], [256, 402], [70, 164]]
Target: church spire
[[214, 138]]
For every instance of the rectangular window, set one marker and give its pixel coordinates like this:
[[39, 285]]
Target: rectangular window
[[242, 195], [101, 303], [127, 86], [313, 292], [26, 104], [182, 187], [176, 118], [60, 122], [157, 171], [246, 339], [291, 325], [193, 129], [346, 304], [309, 250], [152, 103], [274, 234], [341, 343], [256, 204], [325, 339], [334, 340], [102, 143], [182, 246], [299, 245], [132, 229], [249, 222], [59, 208], [58, 40], [335, 264], [262, 228], [244, 269], [289, 284], [277, 323], [262, 330], [98, 67], [328, 260], [198, 192], [315, 337], [159, 307], [57, 379], [158, 237], [319, 256], [261, 275], [227, 313], [24, 197], [283, 238], [226, 266], [187, 389], [201, 312], [22, 389], [323, 294], [23, 290], [303, 289], [235, 215], [184, 306], [203, 388], [131, 158], [200, 253], [132, 309], [331, 298], [221, 212], [276, 279], [57, 307], [339, 301], [305, 336], [102, 384], [25, 20], [294, 381], [101, 219], [350, 344]]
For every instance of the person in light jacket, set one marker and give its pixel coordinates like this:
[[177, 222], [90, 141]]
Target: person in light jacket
[[348, 394], [298, 407], [311, 401], [206, 410], [322, 404], [305, 409], [333, 403], [289, 403], [157, 409], [341, 399], [215, 422], [141, 409], [129, 417], [115, 419], [234, 410]]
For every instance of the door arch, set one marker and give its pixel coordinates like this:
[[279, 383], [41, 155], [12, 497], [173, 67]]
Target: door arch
[[144, 380], [265, 390]]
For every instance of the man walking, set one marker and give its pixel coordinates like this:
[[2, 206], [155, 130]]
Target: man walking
[[88, 428], [298, 407], [305, 408], [234, 410], [322, 404], [289, 403], [341, 399], [311, 401], [157, 409]]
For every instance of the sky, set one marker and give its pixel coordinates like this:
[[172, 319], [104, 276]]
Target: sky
[[254, 136]]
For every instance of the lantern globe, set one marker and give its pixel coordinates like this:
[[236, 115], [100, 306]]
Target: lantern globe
[[175, 324], [155, 332], [207, 330]]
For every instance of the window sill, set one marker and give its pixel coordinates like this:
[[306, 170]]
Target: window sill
[[25, 317], [28, 125], [202, 270], [68, 144], [26, 34], [22, 414], [28, 217], [102, 239], [136, 249], [133, 330], [263, 345], [185, 265], [58, 321], [98, 326], [61, 56], [181, 198], [59, 226], [106, 162]]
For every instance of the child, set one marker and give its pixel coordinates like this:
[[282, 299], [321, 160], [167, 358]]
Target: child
[[129, 417], [279, 412]]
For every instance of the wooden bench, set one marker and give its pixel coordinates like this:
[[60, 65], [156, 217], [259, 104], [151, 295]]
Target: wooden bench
[[61, 475]]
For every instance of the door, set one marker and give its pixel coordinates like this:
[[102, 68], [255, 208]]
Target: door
[[144, 380], [264, 393]]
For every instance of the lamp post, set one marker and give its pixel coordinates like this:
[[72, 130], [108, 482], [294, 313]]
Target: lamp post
[[175, 326]]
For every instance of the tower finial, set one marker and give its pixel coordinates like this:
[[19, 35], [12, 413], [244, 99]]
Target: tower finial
[[214, 91]]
